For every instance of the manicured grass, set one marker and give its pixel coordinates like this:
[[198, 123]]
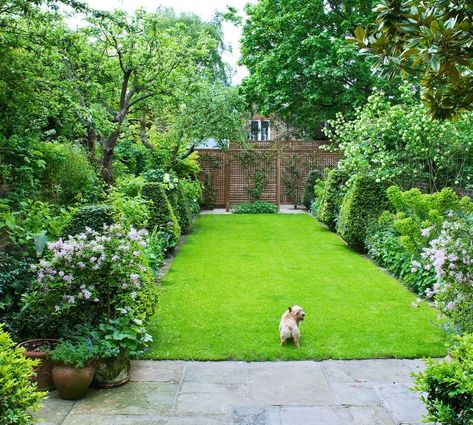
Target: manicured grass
[[235, 275]]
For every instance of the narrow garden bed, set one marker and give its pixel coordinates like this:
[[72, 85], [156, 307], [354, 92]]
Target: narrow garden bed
[[229, 306]]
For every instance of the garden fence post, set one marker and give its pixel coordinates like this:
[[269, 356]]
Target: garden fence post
[[227, 181], [278, 177]]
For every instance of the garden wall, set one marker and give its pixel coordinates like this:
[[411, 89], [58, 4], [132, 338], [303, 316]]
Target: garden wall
[[274, 170]]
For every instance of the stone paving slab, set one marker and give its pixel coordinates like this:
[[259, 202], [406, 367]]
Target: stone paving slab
[[355, 392]]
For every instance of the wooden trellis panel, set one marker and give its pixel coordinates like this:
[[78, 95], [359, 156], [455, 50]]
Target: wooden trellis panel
[[232, 177]]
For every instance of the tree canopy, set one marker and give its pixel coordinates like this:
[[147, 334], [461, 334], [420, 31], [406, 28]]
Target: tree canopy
[[91, 85], [300, 65], [433, 39]]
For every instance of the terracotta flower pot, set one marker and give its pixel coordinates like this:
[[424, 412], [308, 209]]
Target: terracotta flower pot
[[34, 349], [112, 372], [71, 382]]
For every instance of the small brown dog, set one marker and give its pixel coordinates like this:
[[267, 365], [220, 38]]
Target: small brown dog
[[289, 325]]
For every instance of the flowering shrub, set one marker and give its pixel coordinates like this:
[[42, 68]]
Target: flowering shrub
[[397, 240], [93, 274], [450, 255], [401, 144]]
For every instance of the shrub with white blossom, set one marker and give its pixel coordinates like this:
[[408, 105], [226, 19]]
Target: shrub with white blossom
[[451, 256], [95, 274]]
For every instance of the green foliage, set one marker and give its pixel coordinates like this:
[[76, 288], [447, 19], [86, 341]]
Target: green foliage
[[188, 168], [398, 239], [92, 216], [401, 144], [15, 278], [257, 207], [363, 203], [309, 194], [125, 332], [447, 386], [155, 250], [75, 354], [20, 165], [133, 156], [163, 217], [385, 246], [131, 211], [332, 196], [68, 175], [301, 67], [181, 206], [34, 219], [193, 190], [428, 38], [18, 395]]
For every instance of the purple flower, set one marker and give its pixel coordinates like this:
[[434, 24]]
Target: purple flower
[[136, 253]]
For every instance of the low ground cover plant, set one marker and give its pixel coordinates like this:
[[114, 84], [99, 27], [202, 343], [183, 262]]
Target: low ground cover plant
[[256, 207]]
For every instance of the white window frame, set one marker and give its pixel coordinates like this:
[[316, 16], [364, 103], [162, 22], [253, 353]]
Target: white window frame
[[260, 132]]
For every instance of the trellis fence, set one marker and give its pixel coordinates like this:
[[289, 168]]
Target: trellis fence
[[270, 171]]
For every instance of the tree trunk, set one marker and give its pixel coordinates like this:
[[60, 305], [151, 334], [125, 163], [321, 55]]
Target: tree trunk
[[143, 136], [90, 141], [107, 162]]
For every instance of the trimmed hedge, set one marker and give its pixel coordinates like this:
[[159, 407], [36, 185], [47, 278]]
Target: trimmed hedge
[[332, 197], [162, 214], [93, 216], [181, 206], [363, 203], [309, 195]]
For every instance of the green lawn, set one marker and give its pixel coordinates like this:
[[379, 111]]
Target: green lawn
[[236, 274]]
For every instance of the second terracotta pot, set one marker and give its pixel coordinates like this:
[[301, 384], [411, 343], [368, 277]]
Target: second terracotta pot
[[71, 382]]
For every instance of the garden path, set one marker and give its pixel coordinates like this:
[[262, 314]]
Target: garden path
[[349, 392]]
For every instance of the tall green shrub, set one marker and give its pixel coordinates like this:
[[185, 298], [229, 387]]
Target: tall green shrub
[[309, 194], [18, 395], [193, 190], [93, 216], [162, 213], [363, 203], [332, 197], [181, 206], [68, 175]]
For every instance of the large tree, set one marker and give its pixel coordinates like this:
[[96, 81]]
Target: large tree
[[431, 38], [300, 65], [150, 55]]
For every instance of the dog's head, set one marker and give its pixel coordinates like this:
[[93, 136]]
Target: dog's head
[[297, 312]]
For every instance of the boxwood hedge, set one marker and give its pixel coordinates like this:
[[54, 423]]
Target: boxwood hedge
[[363, 203]]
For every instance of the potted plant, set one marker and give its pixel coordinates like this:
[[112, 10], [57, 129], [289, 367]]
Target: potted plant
[[37, 349], [116, 341], [73, 370]]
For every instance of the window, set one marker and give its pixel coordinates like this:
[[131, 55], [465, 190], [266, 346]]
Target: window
[[260, 130]]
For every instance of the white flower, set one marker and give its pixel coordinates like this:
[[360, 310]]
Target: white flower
[[166, 178]]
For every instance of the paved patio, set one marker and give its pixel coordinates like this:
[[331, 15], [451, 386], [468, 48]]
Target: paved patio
[[355, 392]]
